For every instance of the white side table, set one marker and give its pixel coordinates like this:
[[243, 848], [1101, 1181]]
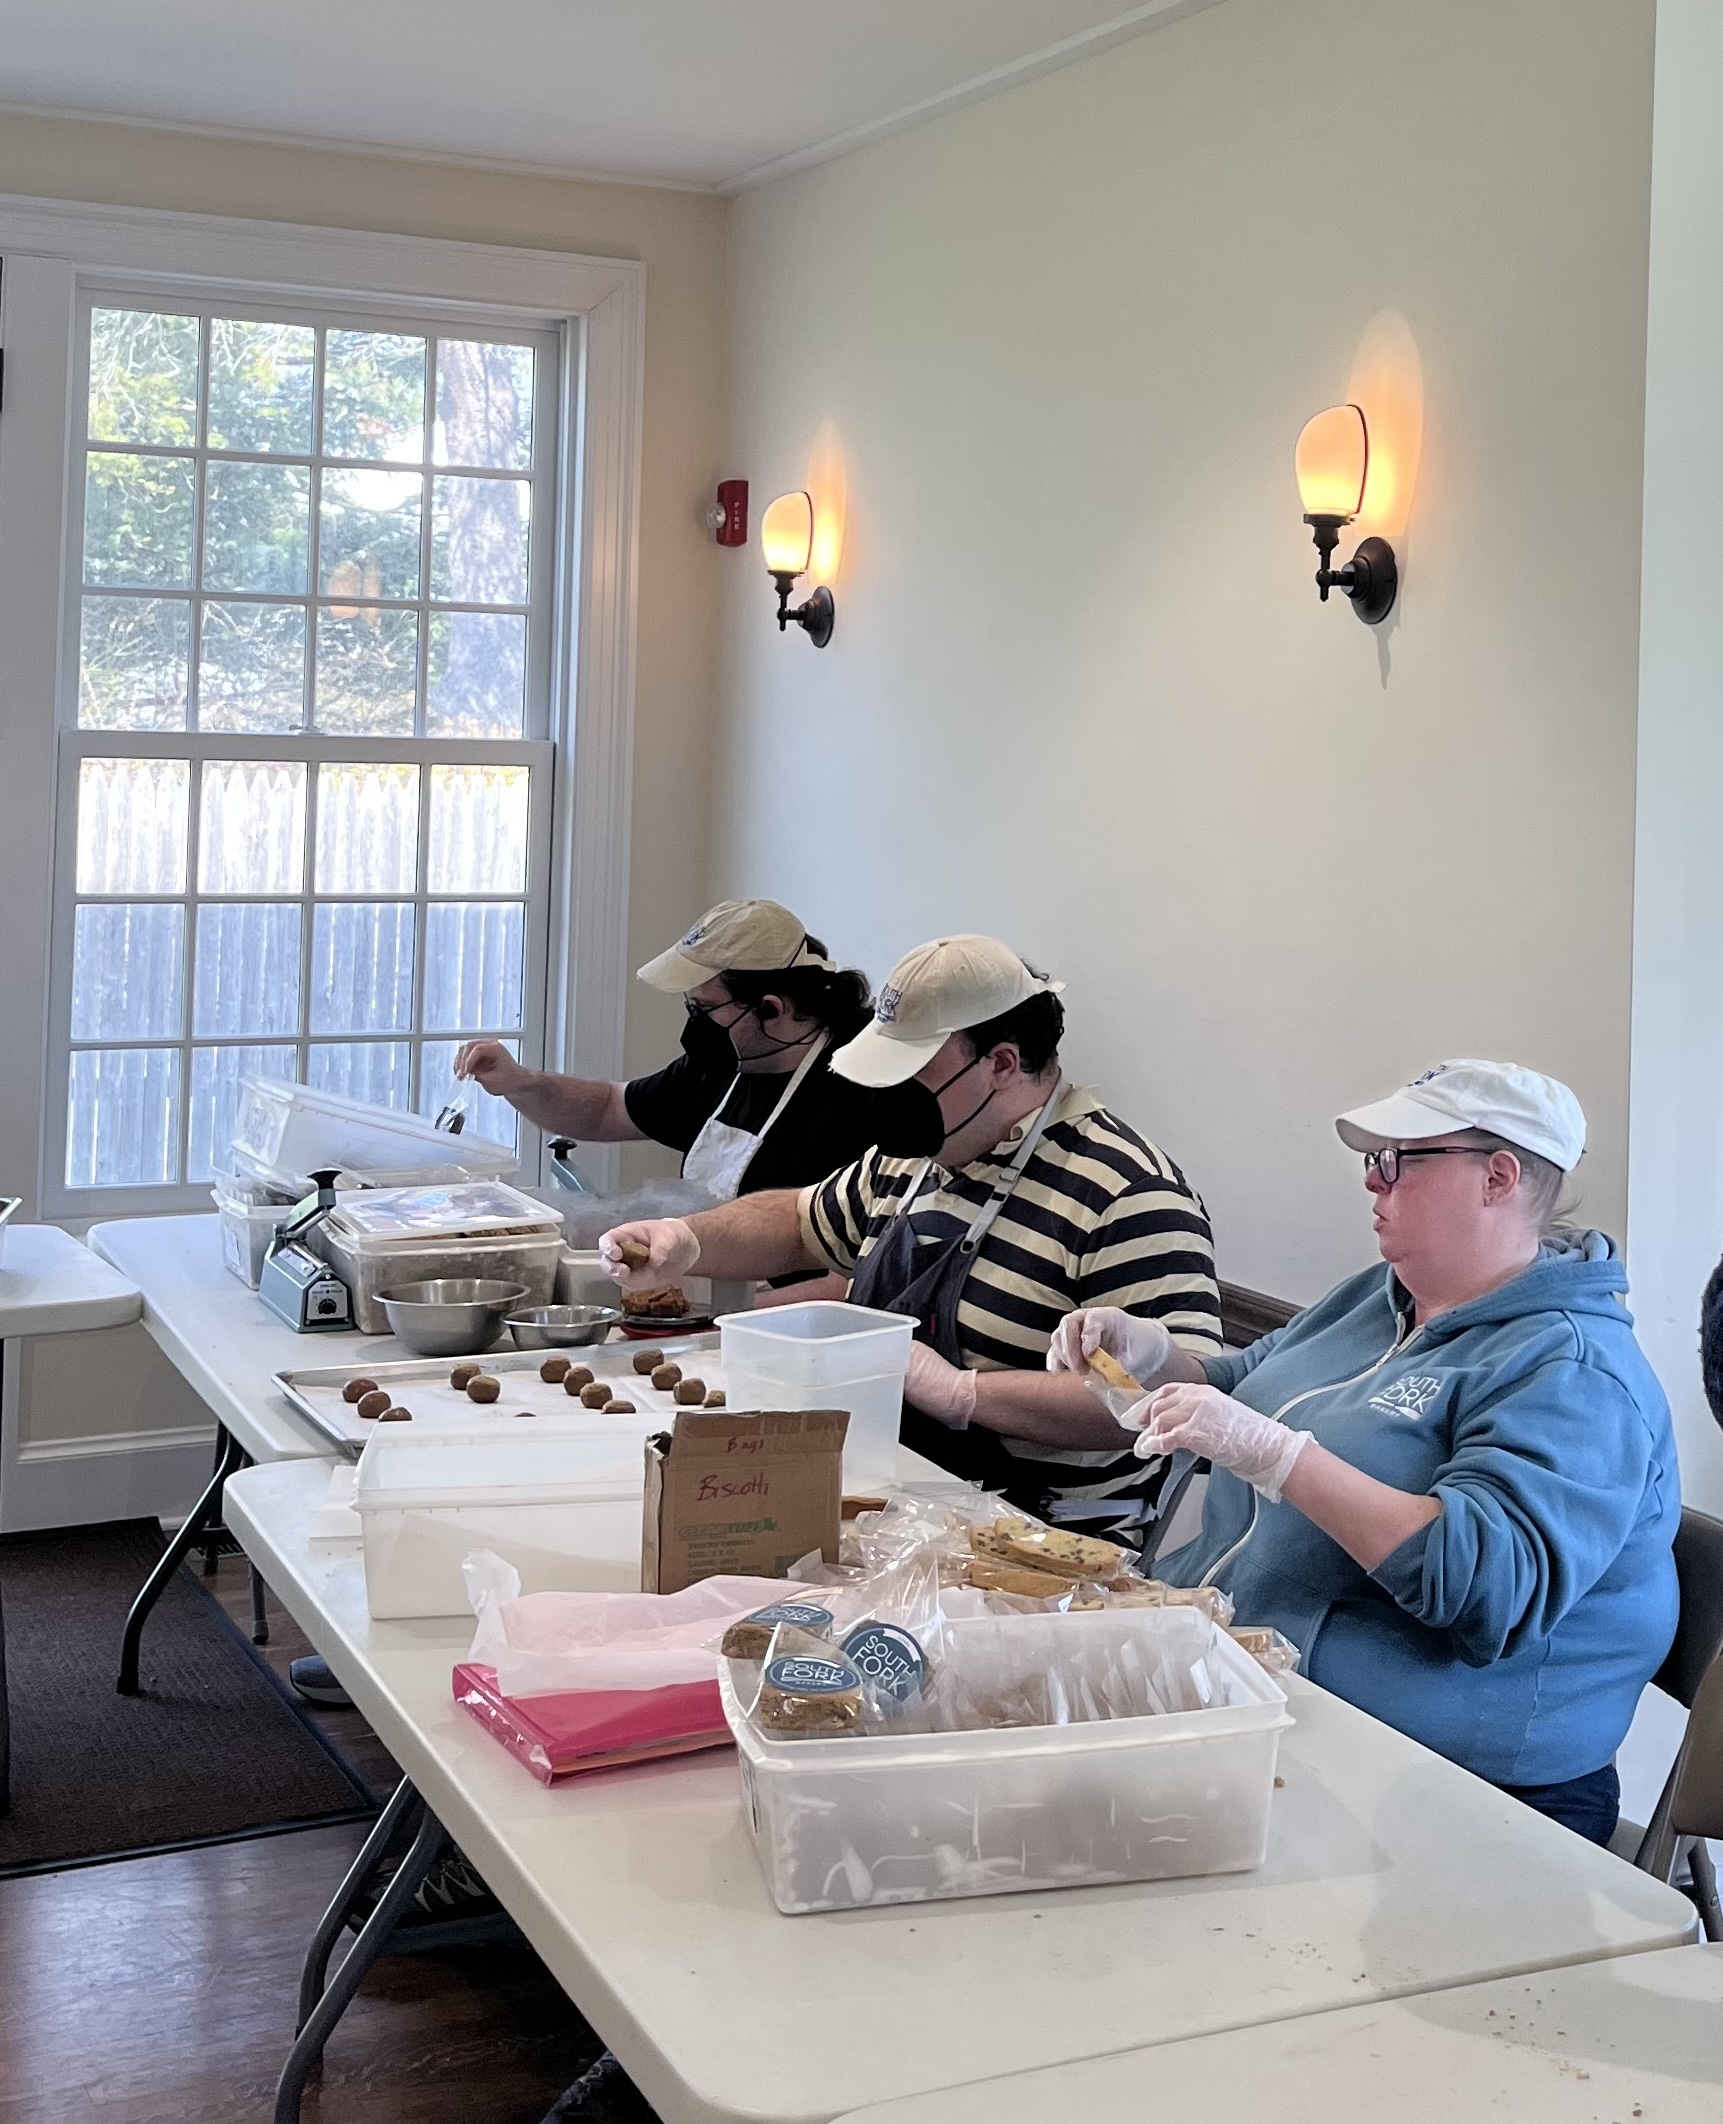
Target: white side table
[[50, 1284]]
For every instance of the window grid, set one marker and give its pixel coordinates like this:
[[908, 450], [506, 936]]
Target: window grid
[[201, 748]]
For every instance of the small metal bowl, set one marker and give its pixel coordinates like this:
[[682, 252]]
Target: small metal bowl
[[451, 1316], [562, 1327]]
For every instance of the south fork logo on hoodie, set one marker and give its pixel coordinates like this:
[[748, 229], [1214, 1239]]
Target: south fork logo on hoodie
[[1409, 1396]]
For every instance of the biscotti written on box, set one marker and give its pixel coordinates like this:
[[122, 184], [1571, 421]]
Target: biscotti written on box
[[741, 1494]]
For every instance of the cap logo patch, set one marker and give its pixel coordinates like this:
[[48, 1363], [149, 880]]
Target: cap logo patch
[[1430, 1075], [693, 937], [885, 1010]]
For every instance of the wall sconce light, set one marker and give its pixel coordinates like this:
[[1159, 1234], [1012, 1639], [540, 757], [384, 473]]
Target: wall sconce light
[[787, 534], [1333, 461]]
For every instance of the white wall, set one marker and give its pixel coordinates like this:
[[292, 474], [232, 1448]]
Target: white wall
[[680, 236], [1676, 1210], [1081, 691]]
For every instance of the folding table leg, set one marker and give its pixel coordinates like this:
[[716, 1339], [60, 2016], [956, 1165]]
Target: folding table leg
[[408, 1878], [259, 1612], [358, 1878], [230, 1458]]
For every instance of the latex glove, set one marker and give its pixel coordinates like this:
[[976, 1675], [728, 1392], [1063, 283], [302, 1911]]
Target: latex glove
[[1186, 1418], [943, 1391], [671, 1251], [491, 1067], [1141, 1346]]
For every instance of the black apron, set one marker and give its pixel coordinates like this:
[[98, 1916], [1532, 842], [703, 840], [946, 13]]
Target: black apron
[[898, 1275]]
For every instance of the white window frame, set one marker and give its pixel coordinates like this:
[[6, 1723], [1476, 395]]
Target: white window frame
[[52, 255]]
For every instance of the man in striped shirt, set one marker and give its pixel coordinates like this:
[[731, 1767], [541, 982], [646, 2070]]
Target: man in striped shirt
[[1004, 1199]]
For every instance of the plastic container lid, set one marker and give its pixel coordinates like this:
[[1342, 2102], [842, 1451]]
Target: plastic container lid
[[468, 1209], [451, 1467]]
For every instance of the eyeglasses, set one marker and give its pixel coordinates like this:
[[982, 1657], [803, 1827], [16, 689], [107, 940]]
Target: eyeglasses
[[1386, 1163]]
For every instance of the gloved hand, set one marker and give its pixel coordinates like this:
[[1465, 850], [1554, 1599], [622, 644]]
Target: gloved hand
[[1202, 1420], [943, 1391], [671, 1250], [491, 1067], [1141, 1346]]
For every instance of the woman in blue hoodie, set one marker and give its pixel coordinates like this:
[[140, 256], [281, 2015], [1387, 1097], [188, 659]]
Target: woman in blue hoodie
[[1452, 1483]]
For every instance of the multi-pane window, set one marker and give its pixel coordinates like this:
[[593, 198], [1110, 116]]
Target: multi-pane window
[[305, 782]]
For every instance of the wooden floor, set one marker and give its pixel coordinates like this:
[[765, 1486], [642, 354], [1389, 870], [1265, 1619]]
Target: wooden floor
[[161, 1990]]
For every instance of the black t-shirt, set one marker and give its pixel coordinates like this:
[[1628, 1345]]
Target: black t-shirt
[[828, 1123]]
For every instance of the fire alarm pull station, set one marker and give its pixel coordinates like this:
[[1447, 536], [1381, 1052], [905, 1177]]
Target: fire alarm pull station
[[728, 515]]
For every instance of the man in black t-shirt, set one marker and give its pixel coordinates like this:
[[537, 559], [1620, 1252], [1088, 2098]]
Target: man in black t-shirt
[[751, 1101]]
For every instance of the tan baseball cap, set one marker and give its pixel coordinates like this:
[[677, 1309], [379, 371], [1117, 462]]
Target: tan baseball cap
[[736, 936], [939, 989]]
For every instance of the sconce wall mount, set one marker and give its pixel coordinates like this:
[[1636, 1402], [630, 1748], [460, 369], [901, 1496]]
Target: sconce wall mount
[[1333, 462], [787, 535]]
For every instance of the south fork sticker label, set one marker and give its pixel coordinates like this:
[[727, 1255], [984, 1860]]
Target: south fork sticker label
[[793, 1611], [812, 1677], [888, 1659]]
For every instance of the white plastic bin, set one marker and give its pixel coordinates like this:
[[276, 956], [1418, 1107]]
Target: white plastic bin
[[826, 1355], [561, 1504], [842, 1824], [293, 1129]]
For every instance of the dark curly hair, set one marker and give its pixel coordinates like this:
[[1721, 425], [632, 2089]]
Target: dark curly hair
[[1034, 1027], [841, 1002], [1711, 1341]]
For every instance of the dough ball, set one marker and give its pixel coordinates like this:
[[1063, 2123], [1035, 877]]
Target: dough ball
[[396, 1415], [577, 1376], [715, 1399], [594, 1395], [462, 1373], [690, 1393], [618, 1408], [666, 1377], [648, 1360], [373, 1404], [357, 1389], [553, 1369], [482, 1387]]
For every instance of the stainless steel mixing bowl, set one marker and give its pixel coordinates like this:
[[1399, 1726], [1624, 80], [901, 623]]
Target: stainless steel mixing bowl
[[451, 1316], [562, 1327]]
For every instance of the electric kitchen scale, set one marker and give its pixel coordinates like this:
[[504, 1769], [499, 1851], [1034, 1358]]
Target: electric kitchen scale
[[295, 1285]]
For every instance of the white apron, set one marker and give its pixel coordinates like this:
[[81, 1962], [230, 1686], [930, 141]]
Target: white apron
[[719, 1157]]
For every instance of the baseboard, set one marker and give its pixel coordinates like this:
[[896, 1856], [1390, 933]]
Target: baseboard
[[74, 1482]]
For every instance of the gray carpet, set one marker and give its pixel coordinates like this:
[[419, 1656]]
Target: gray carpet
[[214, 1749]]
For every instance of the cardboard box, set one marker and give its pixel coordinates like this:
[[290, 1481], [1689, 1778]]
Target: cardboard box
[[741, 1493]]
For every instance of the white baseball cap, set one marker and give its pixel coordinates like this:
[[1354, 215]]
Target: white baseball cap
[[736, 936], [1523, 1107], [939, 989]]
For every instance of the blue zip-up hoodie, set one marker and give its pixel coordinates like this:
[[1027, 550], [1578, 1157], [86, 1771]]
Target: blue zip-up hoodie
[[1514, 1633]]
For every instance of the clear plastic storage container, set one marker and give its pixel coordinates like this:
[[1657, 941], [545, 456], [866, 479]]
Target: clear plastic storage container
[[378, 1239], [292, 1129], [562, 1503], [827, 1355], [841, 1824], [246, 1229]]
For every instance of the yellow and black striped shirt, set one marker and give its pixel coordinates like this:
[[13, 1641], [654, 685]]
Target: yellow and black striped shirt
[[1099, 1217]]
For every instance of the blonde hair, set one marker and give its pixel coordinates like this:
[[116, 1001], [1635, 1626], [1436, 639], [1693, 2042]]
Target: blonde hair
[[1541, 1179]]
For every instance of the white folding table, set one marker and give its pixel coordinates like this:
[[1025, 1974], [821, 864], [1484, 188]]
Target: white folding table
[[1390, 1873], [1637, 2039]]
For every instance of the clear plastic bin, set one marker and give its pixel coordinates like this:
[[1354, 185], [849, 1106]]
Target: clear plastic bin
[[293, 1129], [826, 1355], [846, 1823], [561, 1504], [246, 1230], [377, 1240]]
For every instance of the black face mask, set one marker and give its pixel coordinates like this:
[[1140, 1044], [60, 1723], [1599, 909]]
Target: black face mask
[[910, 1124], [706, 1044]]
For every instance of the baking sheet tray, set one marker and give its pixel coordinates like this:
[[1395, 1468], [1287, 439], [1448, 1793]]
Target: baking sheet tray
[[422, 1385]]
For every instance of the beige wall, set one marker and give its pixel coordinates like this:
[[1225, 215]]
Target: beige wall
[[1676, 1223], [1082, 692], [680, 237]]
